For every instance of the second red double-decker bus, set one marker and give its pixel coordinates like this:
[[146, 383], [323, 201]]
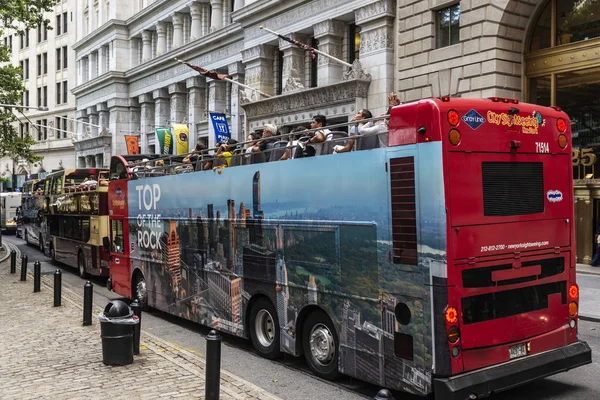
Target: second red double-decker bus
[[441, 262]]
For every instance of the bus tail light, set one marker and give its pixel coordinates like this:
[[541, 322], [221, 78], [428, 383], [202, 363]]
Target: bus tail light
[[573, 291], [572, 309], [562, 141], [454, 137], [453, 334], [561, 125], [453, 117], [451, 315]]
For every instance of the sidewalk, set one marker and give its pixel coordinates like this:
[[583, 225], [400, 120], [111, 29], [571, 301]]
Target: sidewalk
[[588, 269], [45, 352]]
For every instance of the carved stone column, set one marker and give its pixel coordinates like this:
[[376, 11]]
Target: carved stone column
[[147, 46], [93, 64], [178, 94], [259, 68], [177, 30], [330, 34], [103, 117], [376, 22], [90, 162], [217, 101], [226, 12], [134, 51], [236, 72], [161, 44], [205, 19], [119, 124], [196, 13], [102, 60], [134, 117], [162, 108], [93, 119], [146, 120], [196, 106], [238, 4], [82, 120], [293, 58], [216, 20]]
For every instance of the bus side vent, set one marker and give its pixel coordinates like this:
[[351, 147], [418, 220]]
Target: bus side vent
[[404, 222], [512, 188]]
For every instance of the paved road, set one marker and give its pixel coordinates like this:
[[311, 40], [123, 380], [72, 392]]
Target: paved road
[[589, 292], [290, 378]]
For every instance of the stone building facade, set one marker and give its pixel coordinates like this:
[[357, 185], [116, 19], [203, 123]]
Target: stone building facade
[[128, 82], [47, 59]]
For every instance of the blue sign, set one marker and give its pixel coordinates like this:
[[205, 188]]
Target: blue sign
[[473, 119], [220, 127]]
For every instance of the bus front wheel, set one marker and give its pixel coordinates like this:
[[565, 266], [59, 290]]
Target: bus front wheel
[[320, 345], [264, 329], [140, 291], [81, 265]]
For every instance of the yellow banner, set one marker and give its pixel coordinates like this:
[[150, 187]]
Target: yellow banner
[[180, 131]]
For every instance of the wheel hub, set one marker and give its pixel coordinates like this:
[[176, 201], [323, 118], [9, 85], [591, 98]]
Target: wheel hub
[[322, 346], [140, 290], [264, 328]]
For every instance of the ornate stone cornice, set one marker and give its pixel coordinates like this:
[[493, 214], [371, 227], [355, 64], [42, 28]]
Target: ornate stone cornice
[[376, 10], [145, 98], [195, 82], [309, 99], [177, 88], [236, 68], [93, 143], [160, 93], [381, 38], [329, 27], [284, 44], [256, 52]]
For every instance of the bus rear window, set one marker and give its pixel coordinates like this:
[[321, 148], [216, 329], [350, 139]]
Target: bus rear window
[[512, 188]]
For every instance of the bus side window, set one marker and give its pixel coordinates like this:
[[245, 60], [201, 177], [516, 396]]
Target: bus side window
[[117, 237]]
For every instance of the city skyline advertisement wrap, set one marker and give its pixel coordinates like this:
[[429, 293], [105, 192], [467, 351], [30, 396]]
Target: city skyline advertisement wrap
[[208, 241]]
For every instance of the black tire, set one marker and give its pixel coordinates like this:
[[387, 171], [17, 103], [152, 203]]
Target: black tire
[[323, 361], [52, 253], [26, 237], [81, 267], [41, 245], [140, 291], [264, 329]]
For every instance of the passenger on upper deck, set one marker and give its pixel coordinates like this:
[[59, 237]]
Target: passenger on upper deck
[[295, 147], [355, 130], [319, 136], [226, 151], [268, 140]]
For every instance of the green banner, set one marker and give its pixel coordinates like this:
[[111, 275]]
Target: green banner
[[165, 140]]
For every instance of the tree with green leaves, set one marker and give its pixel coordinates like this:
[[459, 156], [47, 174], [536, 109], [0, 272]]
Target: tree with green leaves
[[15, 17]]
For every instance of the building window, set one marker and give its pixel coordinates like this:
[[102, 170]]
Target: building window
[[314, 63], [58, 93], [45, 57], [65, 55], [27, 37], [39, 97], [22, 40], [45, 128], [65, 91], [353, 42], [64, 126], [448, 23], [22, 65], [279, 71], [45, 96], [65, 23], [22, 129], [57, 125], [38, 126], [26, 69], [39, 65], [58, 59], [58, 25], [26, 98]]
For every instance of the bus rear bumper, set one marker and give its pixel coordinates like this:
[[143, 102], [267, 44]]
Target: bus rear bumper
[[497, 378]]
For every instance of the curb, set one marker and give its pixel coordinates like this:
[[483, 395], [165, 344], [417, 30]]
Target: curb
[[8, 247], [589, 319]]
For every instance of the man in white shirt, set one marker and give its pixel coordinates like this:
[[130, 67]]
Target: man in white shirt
[[318, 137]]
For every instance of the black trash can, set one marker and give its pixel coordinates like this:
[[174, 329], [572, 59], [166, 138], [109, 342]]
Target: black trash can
[[116, 330]]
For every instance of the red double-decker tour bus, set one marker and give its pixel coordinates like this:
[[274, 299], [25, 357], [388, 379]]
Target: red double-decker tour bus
[[440, 259]]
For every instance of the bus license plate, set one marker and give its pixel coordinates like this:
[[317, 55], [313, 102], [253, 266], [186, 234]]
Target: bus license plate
[[518, 350]]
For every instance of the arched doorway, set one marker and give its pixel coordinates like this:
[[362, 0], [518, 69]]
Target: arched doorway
[[562, 68]]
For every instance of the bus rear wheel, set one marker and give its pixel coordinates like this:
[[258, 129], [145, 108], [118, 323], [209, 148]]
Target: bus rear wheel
[[81, 265], [264, 329], [320, 345], [140, 291]]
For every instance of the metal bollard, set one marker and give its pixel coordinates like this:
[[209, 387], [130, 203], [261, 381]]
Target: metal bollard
[[37, 275], [57, 288], [13, 261], [137, 328], [88, 293], [213, 366], [24, 267], [384, 394]]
